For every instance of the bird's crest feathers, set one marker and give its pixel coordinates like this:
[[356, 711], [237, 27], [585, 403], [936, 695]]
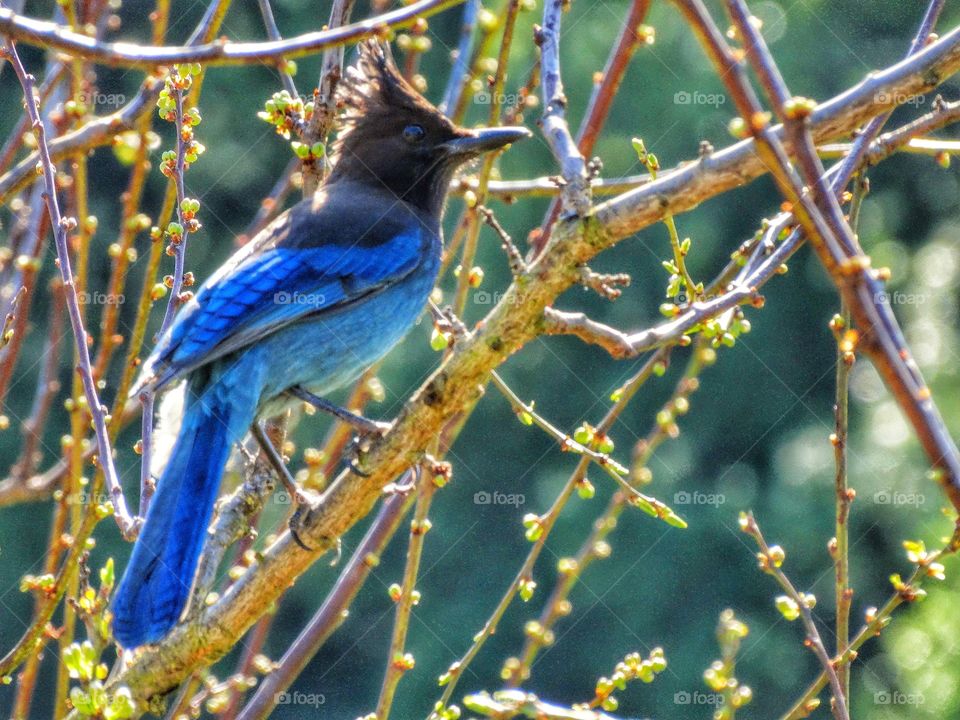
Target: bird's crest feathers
[[372, 87]]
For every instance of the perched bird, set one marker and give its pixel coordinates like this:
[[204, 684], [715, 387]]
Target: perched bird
[[310, 303]]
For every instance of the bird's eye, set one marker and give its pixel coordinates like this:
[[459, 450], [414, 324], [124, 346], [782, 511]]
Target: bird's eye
[[414, 134]]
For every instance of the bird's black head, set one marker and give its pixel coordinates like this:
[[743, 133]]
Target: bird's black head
[[392, 137]]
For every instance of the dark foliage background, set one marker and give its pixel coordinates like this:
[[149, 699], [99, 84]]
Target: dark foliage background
[[756, 434]]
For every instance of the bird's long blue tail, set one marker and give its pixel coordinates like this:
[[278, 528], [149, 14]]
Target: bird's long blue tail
[[158, 578]]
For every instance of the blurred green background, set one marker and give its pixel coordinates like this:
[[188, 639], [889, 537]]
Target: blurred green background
[[756, 433]]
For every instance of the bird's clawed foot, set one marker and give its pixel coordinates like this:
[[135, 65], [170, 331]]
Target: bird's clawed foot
[[305, 505]]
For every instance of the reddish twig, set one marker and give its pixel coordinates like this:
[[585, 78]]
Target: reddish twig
[[325, 98]]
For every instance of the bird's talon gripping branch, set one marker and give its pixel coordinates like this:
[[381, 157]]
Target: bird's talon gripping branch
[[297, 522], [355, 461]]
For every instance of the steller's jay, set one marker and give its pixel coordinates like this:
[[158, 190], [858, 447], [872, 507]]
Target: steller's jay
[[310, 303]]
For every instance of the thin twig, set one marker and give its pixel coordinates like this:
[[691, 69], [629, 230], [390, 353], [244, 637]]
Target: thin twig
[[325, 99], [52, 36], [771, 566], [825, 227], [94, 133], [459, 72], [472, 232], [877, 619], [601, 102], [575, 193], [840, 547], [60, 225], [546, 523], [273, 32], [47, 387], [514, 256], [397, 660], [731, 167]]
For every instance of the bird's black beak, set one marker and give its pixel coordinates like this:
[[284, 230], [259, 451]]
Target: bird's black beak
[[483, 140]]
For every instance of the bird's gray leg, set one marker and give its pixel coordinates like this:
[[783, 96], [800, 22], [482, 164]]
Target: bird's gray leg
[[364, 425], [273, 455], [280, 467]]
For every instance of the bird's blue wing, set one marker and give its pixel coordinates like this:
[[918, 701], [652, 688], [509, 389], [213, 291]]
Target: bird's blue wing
[[273, 287]]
